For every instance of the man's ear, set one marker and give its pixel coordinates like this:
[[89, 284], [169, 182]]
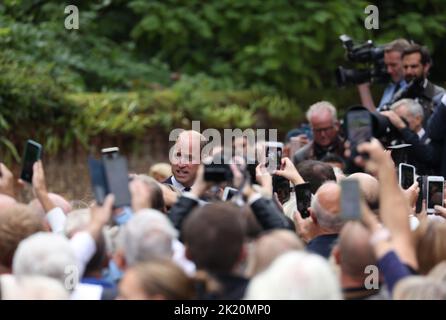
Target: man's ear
[[313, 216], [187, 253], [119, 259], [336, 253], [286, 151], [243, 255], [426, 69]]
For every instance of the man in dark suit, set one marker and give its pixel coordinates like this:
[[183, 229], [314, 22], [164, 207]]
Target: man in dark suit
[[437, 131], [417, 63], [424, 153], [185, 158]]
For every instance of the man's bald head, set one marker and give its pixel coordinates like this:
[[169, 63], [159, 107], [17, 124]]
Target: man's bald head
[[58, 201], [270, 246], [325, 207], [369, 186], [355, 251], [329, 195], [6, 202]]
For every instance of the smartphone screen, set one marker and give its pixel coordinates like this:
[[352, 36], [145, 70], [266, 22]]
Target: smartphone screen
[[359, 126], [420, 198], [98, 180], [33, 152], [435, 193], [116, 173], [350, 200], [407, 175], [303, 199], [281, 186], [273, 156], [228, 193]]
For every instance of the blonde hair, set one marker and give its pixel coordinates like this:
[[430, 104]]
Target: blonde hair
[[161, 169], [164, 278], [430, 245]]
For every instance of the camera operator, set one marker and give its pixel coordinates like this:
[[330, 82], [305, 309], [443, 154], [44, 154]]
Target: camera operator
[[322, 117], [394, 67], [407, 116], [416, 65]]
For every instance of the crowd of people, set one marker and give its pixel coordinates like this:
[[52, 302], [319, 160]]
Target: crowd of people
[[181, 239]]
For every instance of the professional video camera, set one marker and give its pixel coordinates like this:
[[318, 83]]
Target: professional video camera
[[366, 53]]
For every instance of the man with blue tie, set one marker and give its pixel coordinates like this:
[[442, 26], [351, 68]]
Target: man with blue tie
[[394, 66]]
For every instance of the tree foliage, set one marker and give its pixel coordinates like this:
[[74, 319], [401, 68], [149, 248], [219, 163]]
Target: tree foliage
[[118, 74]]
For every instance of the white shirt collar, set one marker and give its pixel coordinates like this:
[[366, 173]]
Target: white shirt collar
[[177, 185], [421, 133]]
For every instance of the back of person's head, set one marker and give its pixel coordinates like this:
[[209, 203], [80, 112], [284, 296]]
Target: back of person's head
[[296, 275], [160, 171], [78, 220], [316, 173], [214, 235], [34, 288], [6, 201], [430, 245], [325, 207], [369, 186], [156, 280], [354, 250], [147, 235], [16, 223], [45, 254], [253, 228], [419, 288], [413, 107], [58, 201], [271, 245], [334, 160], [438, 273], [156, 194]]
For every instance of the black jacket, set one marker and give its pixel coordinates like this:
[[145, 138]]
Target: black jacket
[[437, 132], [266, 212], [424, 154], [232, 287]]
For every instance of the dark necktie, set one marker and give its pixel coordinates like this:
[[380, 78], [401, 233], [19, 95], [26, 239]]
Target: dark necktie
[[187, 189]]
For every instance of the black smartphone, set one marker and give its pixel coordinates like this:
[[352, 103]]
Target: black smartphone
[[98, 180], [406, 174], [281, 186], [273, 153], [421, 193], [117, 176], [303, 198], [350, 200], [33, 153], [359, 128]]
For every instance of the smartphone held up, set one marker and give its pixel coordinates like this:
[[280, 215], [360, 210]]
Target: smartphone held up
[[32, 154]]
